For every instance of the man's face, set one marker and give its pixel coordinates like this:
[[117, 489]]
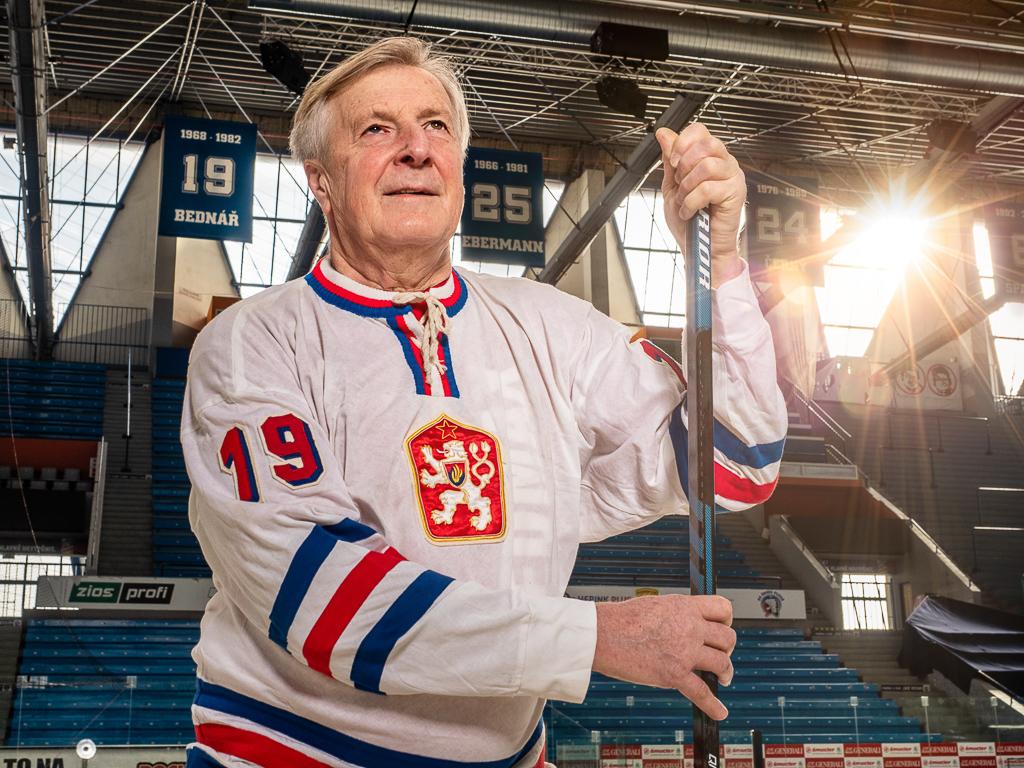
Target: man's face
[[395, 166]]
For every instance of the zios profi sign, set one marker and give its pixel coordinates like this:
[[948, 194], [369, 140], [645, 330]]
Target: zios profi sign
[[122, 593]]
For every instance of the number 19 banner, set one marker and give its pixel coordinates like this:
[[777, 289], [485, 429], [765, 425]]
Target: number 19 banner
[[208, 170], [503, 216]]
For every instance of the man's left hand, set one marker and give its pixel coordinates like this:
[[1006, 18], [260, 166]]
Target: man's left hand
[[700, 173]]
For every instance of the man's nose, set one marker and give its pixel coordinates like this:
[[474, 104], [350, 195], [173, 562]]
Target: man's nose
[[416, 146]]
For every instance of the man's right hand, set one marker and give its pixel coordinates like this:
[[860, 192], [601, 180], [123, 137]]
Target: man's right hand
[[665, 641]]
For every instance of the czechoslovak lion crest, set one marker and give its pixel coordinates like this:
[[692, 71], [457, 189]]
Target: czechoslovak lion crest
[[458, 479]]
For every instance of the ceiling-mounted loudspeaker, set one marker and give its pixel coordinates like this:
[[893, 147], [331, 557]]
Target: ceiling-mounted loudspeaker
[[284, 64], [86, 749], [629, 42], [622, 95]]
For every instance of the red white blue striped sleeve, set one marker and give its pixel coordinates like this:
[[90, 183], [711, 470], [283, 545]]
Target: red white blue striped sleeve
[[628, 399], [300, 565]]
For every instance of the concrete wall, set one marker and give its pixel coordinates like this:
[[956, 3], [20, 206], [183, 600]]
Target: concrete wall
[[819, 583], [123, 269], [201, 272]]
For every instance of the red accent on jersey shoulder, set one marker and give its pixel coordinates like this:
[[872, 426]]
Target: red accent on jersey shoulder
[[660, 356], [729, 485], [254, 747], [347, 599]]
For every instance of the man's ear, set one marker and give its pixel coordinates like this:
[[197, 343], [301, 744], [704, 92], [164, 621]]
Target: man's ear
[[319, 185]]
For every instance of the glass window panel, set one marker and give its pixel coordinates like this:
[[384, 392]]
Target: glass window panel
[[67, 167], [1008, 321], [9, 164], [552, 193], [638, 223], [264, 186], [95, 224], [103, 171], [661, 271], [258, 254], [131, 154], [66, 236], [10, 229], [234, 251], [284, 251], [292, 196], [850, 342], [1011, 363], [637, 262], [982, 253]]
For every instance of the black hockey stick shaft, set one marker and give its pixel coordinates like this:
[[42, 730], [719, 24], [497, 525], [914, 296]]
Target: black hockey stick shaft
[[700, 451]]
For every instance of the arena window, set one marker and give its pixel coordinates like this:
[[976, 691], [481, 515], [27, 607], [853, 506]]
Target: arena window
[[87, 181], [20, 572], [1006, 322], [867, 602]]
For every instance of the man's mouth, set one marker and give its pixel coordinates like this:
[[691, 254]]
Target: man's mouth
[[410, 191]]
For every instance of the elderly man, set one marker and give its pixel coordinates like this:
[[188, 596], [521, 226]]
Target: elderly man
[[394, 462]]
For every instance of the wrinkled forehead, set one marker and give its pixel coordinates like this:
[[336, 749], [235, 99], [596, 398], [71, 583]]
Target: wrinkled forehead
[[390, 91]]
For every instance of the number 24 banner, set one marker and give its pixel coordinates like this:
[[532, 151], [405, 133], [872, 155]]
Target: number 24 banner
[[208, 170]]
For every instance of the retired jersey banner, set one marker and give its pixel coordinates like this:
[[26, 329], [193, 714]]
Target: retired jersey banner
[[503, 216], [1005, 223], [208, 172], [783, 227]]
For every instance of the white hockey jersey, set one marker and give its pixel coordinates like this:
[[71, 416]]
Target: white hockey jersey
[[391, 545]]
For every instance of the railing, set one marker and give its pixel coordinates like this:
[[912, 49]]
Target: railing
[[92, 333], [1009, 404], [15, 330]]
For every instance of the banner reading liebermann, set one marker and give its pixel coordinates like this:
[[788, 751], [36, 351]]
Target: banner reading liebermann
[[503, 215]]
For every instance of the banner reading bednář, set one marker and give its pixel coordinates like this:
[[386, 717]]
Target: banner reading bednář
[[208, 171]]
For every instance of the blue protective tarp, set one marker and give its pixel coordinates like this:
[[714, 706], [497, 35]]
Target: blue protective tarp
[[964, 641]]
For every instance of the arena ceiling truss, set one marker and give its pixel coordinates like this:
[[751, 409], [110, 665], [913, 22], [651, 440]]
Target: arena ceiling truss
[[114, 69]]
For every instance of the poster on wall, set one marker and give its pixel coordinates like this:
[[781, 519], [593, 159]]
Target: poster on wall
[[783, 227], [1005, 223], [503, 214], [929, 384], [208, 174]]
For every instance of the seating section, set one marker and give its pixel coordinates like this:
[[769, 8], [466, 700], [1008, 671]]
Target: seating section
[[657, 556], [118, 682], [133, 681], [175, 550], [52, 400], [770, 663]]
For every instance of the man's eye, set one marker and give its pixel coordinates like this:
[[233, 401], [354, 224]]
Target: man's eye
[[375, 128], [438, 125]]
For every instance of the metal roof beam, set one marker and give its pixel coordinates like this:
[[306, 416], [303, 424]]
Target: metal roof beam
[[627, 179], [309, 242], [28, 73]]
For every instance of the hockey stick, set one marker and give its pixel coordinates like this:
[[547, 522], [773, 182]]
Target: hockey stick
[[700, 451]]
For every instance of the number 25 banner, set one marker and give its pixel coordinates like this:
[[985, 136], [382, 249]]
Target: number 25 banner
[[503, 216], [208, 169]]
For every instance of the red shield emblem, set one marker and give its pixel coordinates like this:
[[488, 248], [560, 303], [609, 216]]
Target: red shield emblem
[[458, 481]]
